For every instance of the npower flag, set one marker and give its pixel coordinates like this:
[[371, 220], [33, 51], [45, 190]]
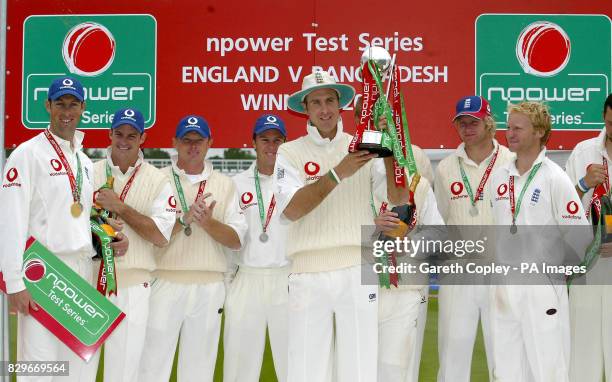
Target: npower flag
[[69, 307], [562, 60], [114, 57]]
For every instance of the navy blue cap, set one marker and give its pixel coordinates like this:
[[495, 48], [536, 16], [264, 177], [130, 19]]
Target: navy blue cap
[[267, 122], [129, 116], [474, 106], [66, 85], [192, 123]]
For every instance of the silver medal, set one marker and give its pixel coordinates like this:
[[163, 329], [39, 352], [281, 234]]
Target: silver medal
[[513, 229], [187, 231], [263, 237], [474, 211]]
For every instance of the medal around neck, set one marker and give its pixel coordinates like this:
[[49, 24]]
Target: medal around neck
[[187, 230], [76, 209], [263, 237], [474, 211], [513, 229]]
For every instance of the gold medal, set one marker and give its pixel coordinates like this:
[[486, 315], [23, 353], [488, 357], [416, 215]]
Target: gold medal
[[75, 209]]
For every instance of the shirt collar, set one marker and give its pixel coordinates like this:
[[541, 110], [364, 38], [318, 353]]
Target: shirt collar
[[77, 140], [251, 172], [109, 160], [513, 171], [313, 133], [193, 178], [461, 153]]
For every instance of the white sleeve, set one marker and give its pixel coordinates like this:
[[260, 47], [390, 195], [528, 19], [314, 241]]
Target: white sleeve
[[288, 182], [164, 220], [15, 196], [572, 170], [440, 193], [378, 173], [430, 213], [234, 217], [565, 197], [423, 163]]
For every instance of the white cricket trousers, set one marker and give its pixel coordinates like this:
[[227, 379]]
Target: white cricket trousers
[[398, 333], [591, 333], [256, 300], [322, 304], [192, 310], [123, 348], [459, 308], [531, 338], [36, 343]]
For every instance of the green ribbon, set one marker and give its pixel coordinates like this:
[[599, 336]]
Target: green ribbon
[[389, 139], [108, 256], [532, 174], [592, 251], [179, 190], [384, 280]]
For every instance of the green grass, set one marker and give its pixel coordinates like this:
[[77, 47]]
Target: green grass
[[429, 357]]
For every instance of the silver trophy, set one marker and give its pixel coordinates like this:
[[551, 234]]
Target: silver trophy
[[372, 137]]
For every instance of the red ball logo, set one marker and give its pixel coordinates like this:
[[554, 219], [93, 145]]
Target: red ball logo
[[172, 201], [34, 270], [57, 165], [572, 207], [247, 197], [89, 49], [543, 49], [311, 168], [11, 174], [456, 188], [502, 189]]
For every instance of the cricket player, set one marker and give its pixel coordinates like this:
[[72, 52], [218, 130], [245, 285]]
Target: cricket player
[[530, 323], [138, 201], [188, 293], [399, 306], [326, 192], [407, 361], [257, 298], [461, 193], [591, 320], [47, 193]]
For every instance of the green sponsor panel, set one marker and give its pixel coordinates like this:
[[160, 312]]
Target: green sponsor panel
[[575, 91], [114, 57], [67, 297]]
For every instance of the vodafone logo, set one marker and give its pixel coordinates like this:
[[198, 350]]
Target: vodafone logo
[[11, 174], [172, 201], [246, 198], [128, 113], [502, 189], [55, 164], [88, 49], [572, 207], [34, 270], [543, 49], [311, 168], [456, 188]]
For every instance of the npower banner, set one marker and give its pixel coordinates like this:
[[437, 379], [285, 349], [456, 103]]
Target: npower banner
[[231, 62]]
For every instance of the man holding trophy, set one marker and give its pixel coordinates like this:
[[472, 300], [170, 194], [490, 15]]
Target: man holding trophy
[[326, 192], [589, 167]]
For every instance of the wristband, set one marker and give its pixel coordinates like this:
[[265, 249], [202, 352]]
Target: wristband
[[332, 174], [583, 186]]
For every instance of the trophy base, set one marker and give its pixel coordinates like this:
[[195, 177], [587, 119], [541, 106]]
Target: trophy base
[[376, 148]]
